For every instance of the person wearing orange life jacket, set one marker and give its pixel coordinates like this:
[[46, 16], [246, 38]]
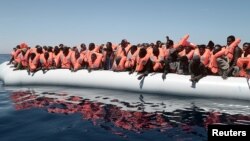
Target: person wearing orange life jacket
[[33, 63], [232, 52], [123, 48], [171, 64], [219, 63], [108, 56], [94, 62], [131, 58], [244, 61], [157, 59], [197, 69], [22, 62], [65, 59], [203, 53], [46, 61], [143, 63], [13, 55], [77, 61], [56, 57], [210, 46]]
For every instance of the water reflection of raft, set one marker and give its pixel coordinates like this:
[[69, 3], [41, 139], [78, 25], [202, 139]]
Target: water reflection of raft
[[210, 86]]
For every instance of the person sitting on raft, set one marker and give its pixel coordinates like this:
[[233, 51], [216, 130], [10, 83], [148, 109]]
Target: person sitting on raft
[[108, 56], [34, 63], [197, 69], [131, 58], [77, 61], [65, 58], [232, 52], [219, 63], [14, 54], [94, 63], [46, 62], [203, 53], [244, 61], [143, 64], [172, 62], [21, 60], [121, 56]]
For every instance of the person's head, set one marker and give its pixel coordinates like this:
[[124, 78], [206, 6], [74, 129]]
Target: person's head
[[156, 51], [91, 46], [46, 55], [210, 45], [158, 43], [18, 47], [245, 46], [45, 48], [39, 50], [124, 43], [196, 59], [133, 49], [83, 46], [202, 49], [169, 44], [32, 56], [217, 48], [230, 39], [65, 51], [14, 49], [61, 45], [56, 49], [50, 49], [93, 57], [142, 52], [75, 48], [109, 44]]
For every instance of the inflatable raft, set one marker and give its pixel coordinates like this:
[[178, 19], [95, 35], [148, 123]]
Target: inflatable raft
[[174, 84]]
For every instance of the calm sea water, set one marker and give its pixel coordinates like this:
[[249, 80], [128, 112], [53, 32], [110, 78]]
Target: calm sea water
[[73, 114]]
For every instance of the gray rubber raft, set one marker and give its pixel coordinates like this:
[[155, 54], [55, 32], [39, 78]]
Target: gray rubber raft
[[174, 84]]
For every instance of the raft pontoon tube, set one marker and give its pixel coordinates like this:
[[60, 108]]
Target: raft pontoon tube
[[174, 84]]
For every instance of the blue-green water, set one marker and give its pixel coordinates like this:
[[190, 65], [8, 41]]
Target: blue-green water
[[63, 113]]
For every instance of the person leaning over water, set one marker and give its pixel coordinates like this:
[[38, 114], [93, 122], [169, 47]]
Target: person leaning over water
[[197, 69]]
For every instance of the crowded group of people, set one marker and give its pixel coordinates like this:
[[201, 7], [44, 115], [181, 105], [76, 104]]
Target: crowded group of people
[[182, 57]]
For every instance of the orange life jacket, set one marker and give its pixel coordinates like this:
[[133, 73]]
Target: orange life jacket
[[240, 63], [230, 49], [131, 59], [121, 65], [182, 42], [65, 61], [213, 63], [77, 63], [189, 55], [141, 62], [33, 63], [46, 63], [97, 63], [205, 57]]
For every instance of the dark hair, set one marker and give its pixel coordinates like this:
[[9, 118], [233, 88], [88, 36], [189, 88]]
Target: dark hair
[[91, 46], [202, 46], [142, 52], [210, 44], [231, 37], [156, 51]]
